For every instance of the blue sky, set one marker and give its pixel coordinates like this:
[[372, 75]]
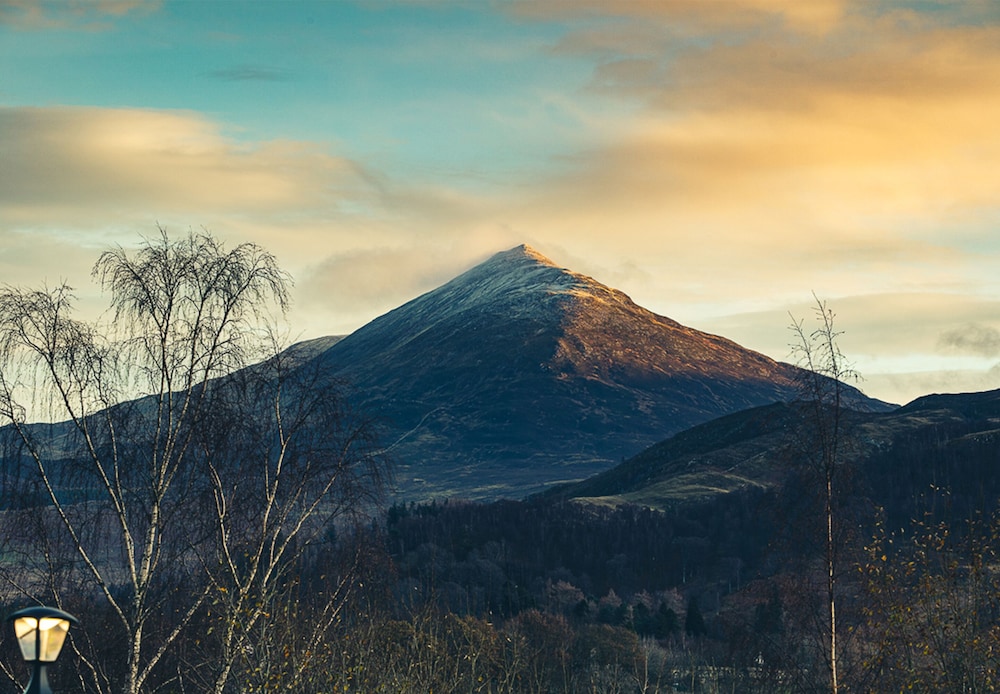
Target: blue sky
[[718, 160], [407, 84]]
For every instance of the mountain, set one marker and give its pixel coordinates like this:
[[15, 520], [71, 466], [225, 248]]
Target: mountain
[[519, 374], [935, 442]]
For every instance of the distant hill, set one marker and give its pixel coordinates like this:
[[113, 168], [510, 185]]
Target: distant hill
[[519, 374], [945, 441]]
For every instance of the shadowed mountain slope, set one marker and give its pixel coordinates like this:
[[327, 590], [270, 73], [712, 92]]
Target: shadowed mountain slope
[[518, 374], [936, 441]]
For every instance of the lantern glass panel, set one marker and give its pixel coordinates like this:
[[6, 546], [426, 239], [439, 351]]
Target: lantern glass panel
[[46, 634]]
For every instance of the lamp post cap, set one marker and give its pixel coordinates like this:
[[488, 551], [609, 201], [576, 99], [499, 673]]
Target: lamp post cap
[[40, 612]]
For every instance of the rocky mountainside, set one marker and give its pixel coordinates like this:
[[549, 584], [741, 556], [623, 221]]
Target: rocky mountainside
[[519, 374]]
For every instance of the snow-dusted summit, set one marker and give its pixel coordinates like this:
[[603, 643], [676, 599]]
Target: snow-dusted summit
[[518, 374], [517, 284]]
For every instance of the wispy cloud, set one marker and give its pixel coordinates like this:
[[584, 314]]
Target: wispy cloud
[[76, 179], [81, 15], [903, 344], [973, 338], [697, 16], [251, 73]]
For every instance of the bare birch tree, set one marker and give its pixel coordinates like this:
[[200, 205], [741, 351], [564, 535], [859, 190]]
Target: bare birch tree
[[823, 388], [139, 441], [287, 468]]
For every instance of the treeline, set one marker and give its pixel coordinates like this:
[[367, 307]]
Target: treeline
[[928, 626], [948, 470], [498, 558]]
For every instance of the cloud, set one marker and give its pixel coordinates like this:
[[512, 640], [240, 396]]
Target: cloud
[[816, 16], [251, 73], [903, 344], [83, 15], [903, 324], [771, 153], [345, 280], [890, 120], [885, 94], [63, 165], [77, 180], [972, 338], [81, 179]]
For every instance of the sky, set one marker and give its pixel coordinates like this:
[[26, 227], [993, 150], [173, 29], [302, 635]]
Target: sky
[[722, 162]]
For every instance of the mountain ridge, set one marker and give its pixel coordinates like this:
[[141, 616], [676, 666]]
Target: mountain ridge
[[518, 374]]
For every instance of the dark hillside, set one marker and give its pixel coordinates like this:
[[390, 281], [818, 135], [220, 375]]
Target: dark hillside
[[746, 552], [589, 534], [941, 440]]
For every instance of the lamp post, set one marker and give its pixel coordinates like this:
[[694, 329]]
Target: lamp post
[[40, 633]]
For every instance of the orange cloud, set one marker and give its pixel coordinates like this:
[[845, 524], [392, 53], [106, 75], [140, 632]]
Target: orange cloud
[[815, 16], [778, 151], [88, 15]]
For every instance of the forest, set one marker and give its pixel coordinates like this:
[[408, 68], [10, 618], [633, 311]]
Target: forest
[[728, 594]]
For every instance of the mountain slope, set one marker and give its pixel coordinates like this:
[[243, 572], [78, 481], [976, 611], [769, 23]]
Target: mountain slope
[[518, 374], [939, 441]]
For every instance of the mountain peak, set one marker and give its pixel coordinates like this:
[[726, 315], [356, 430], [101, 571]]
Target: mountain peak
[[520, 261], [519, 372], [510, 282], [525, 252]]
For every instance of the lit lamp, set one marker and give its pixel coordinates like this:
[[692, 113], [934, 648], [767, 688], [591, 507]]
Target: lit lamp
[[40, 633]]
